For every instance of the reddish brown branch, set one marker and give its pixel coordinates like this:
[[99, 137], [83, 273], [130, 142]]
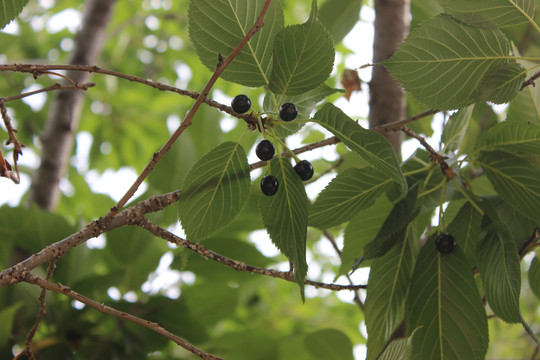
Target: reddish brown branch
[[233, 264], [47, 285], [5, 168], [55, 86]]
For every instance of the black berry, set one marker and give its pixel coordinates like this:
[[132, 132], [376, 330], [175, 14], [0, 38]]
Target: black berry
[[288, 112], [446, 243], [304, 169], [241, 104], [265, 150], [269, 185]]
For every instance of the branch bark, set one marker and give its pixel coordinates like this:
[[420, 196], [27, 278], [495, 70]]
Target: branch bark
[[63, 118], [387, 98]]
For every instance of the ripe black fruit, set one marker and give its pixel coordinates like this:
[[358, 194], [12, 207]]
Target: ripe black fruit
[[288, 112], [241, 104], [269, 185], [446, 243], [265, 150], [304, 169]]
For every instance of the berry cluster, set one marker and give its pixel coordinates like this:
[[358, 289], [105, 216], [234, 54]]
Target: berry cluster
[[269, 184], [265, 150]]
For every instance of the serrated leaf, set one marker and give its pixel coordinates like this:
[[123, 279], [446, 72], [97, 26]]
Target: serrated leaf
[[360, 230], [305, 103], [215, 190], [502, 83], [388, 284], [498, 264], [347, 194], [466, 227], [455, 129], [399, 349], [285, 216], [329, 344], [446, 308], [303, 57], [9, 10], [526, 106], [373, 147], [444, 63], [516, 137], [217, 27], [534, 276], [394, 227], [515, 178], [339, 17], [500, 13]]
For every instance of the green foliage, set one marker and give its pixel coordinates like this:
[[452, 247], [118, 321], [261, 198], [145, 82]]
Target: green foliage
[[285, 216], [215, 190], [387, 211], [294, 71], [329, 344], [445, 308], [207, 21], [445, 64], [10, 10], [373, 147]]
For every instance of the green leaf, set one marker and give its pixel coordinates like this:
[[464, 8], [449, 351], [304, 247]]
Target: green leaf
[[446, 308], [360, 230], [515, 178], [500, 13], [305, 103], [215, 190], [388, 284], [285, 216], [303, 57], [10, 10], [373, 147], [466, 227], [217, 27], [444, 63], [498, 263], [339, 17], [7, 319], [393, 229], [526, 106], [516, 137], [349, 192], [455, 129], [329, 344], [534, 276], [503, 83], [399, 349]]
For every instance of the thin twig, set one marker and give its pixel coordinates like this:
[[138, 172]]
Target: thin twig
[[530, 81], [56, 86], [221, 66], [46, 284], [330, 141], [17, 145], [206, 253], [397, 125], [42, 296]]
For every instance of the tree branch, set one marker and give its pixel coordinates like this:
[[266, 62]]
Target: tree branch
[[47, 285], [206, 253]]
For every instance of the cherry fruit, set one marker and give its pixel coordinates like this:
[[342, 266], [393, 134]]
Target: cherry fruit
[[241, 104], [446, 243], [288, 112], [304, 169], [269, 185], [265, 150]]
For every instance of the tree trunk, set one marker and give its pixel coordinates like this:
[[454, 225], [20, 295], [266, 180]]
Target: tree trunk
[[387, 99], [64, 112]]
